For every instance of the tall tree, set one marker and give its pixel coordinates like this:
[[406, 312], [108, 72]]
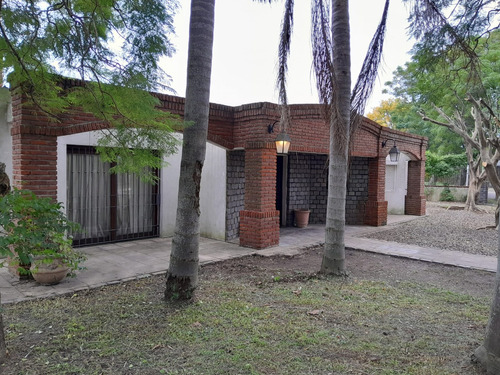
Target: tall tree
[[332, 67], [182, 274], [40, 40], [488, 354], [340, 122], [473, 19], [481, 145], [4, 189], [113, 47], [428, 81], [382, 113]]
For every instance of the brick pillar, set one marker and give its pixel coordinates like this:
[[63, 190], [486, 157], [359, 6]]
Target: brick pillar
[[376, 205], [259, 221], [35, 163], [415, 195]]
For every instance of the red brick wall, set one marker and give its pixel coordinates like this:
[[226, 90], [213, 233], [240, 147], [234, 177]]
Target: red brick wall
[[259, 230], [35, 163], [415, 196], [259, 221], [243, 127], [376, 205]]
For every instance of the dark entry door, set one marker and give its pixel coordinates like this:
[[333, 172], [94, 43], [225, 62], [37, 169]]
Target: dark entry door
[[281, 187], [108, 207]]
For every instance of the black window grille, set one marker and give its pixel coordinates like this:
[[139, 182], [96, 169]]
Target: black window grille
[[109, 207]]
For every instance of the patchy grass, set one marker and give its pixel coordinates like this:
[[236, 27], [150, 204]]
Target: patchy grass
[[246, 320]]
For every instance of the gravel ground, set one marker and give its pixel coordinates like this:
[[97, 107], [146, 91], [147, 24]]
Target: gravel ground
[[449, 229]]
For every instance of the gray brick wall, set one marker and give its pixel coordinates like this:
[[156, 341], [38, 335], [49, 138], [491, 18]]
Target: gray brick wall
[[357, 191], [307, 188], [319, 189], [235, 199]]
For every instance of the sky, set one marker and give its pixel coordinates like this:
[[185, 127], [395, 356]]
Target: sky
[[246, 41]]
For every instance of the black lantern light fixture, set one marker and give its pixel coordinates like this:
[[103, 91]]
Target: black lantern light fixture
[[282, 143], [282, 140], [393, 152]]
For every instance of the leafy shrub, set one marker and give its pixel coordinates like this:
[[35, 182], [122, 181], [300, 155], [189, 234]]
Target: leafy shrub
[[446, 195]]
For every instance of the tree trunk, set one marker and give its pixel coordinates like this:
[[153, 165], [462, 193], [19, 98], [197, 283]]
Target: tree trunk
[[476, 177], [488, 354], [475, 182], [494, 180], [334, 254], [182, 274], [3, 348]]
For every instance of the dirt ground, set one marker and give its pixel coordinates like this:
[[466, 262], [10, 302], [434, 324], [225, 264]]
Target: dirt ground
[[360, 265], [429, 322], [411, 318]]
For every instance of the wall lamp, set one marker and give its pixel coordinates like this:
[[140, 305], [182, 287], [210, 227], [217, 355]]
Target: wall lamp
[[282, 140], [393, 152]]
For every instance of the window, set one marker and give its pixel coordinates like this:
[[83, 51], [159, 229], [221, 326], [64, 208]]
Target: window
[[109, 207]]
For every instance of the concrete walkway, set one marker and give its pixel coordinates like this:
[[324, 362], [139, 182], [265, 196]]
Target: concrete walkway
[[114, 263]]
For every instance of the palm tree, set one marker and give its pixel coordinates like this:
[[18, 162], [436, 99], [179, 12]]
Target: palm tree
[[182, 274], [332, 67]]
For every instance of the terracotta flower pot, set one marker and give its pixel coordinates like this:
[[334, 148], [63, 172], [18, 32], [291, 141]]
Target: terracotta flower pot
[[49, 273], [302, 218]]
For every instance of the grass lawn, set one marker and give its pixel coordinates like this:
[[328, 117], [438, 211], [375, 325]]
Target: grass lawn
[[252, 316]]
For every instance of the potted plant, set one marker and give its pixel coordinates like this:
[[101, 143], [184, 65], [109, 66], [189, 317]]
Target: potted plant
[[36, 235]]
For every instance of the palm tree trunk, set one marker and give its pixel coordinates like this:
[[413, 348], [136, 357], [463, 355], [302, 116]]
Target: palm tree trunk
[[182, 274], [334, 254]]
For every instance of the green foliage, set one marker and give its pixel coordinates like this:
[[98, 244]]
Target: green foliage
[[446, 195], [443, 81], [444, 165], [114, 47], [33, 227]]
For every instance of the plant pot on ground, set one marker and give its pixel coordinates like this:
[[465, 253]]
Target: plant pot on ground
[[48, 271], [32, 227], [302, 218]]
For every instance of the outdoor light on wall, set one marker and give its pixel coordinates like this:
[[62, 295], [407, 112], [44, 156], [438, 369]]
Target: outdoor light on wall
[[393, 152], [282, 143], [282, 140]]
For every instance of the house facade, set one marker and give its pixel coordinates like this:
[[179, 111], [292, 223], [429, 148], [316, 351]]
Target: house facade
[[248, 191]]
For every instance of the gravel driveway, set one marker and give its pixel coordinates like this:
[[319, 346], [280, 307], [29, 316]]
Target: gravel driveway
[[448, 229]]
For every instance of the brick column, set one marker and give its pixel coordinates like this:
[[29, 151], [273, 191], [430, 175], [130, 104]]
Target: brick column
[[35, 163], [376, 205], [259, 221], [415, 195]]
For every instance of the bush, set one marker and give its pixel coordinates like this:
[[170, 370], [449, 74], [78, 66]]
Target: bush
[[446, 195]]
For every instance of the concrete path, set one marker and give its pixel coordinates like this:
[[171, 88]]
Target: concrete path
[[114, 263]]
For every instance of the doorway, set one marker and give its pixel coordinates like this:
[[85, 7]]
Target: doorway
[[282, 188]]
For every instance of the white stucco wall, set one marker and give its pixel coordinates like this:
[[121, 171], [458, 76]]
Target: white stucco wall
[[212, 194], [5, 126], [396, 183]]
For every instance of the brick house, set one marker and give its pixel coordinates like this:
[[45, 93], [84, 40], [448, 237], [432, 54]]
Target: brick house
[[248, 191]]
